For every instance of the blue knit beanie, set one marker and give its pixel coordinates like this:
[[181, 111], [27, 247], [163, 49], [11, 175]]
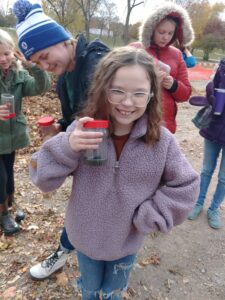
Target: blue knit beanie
[[35, 30]]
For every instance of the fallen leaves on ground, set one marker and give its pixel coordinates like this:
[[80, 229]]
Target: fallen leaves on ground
[[154, 259], [40, 231]]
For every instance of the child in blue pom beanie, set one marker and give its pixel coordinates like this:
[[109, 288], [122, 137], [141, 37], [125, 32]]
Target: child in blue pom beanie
[[46, 43], [18, 82], [35, 30]]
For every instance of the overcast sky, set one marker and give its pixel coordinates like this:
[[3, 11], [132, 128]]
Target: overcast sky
[[138, 13]]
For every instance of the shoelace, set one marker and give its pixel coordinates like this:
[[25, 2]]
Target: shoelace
[[214, 215], [50, 261]]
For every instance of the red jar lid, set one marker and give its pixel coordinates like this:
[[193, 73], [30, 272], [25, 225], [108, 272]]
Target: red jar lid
[[46, 121], [97, 124]]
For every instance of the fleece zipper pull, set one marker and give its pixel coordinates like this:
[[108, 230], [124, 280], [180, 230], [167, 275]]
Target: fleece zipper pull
[[116, 167]]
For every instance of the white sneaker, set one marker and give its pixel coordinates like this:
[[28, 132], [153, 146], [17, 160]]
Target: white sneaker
[[50, 265]]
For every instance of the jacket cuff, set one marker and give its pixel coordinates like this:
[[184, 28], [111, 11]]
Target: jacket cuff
[[173, 87]]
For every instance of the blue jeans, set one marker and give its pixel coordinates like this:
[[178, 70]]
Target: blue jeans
[[64, 241], [110, 277], [211, 154]]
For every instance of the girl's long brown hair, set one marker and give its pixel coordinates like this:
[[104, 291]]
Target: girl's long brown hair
[[97, 105]]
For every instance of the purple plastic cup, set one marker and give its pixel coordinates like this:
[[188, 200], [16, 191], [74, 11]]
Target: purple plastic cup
[[220, 101]]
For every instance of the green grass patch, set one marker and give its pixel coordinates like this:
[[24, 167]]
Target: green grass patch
[[109, 41], [216, 54]]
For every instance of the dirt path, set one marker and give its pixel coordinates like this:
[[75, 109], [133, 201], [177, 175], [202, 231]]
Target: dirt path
[[188, 263], [192, 256]]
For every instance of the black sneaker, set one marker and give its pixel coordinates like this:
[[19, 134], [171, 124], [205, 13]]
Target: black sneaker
[[20, 215], [9, 226]]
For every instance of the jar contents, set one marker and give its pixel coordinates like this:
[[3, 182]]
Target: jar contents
[[97, 157], [8, 99]]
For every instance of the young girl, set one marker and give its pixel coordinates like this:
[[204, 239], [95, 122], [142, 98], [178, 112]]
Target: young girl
[[146, 184], [16, 81], [166, 23]]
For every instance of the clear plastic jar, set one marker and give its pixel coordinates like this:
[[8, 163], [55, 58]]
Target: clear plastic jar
[[45, 126], [8, 99], [97, 157]]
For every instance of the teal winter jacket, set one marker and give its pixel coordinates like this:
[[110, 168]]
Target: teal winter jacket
[[20, 83]]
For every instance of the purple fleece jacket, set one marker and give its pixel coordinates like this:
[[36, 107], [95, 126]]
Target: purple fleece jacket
[[111, 209]]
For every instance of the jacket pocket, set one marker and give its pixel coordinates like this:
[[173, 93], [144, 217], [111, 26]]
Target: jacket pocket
[[20, 129]]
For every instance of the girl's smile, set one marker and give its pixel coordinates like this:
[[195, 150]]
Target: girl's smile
[[6, 57], [56, 59], [123, 112]]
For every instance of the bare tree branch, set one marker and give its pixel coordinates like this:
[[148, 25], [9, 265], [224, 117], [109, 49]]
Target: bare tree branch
[[88, 9], [130, 7]]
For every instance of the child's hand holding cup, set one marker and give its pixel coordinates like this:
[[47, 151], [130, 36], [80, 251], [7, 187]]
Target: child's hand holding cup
[[7, 107]]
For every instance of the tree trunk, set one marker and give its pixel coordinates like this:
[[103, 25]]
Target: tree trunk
[[206, 55], [87, 30], [126, 28]]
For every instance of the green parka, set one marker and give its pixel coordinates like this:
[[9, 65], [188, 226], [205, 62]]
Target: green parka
[[20, 83]]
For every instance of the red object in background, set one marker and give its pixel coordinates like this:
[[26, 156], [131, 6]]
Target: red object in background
[[46, 121], [200, 73]]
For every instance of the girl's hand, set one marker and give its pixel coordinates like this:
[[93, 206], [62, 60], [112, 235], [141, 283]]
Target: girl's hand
[[19, 56], [162, 75], [25, 63], [4, 112], [83, 140], [167, 82]]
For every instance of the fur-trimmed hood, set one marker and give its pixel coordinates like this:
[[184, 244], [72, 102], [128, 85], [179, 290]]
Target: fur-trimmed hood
[[185, 35]]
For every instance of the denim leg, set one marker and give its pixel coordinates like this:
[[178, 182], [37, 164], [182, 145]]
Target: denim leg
[[116, 277], [91, 276], [219, 194], [211, 153], [64, 241]]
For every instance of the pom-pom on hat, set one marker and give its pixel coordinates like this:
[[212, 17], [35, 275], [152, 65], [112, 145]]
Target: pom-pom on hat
[[35, 30]]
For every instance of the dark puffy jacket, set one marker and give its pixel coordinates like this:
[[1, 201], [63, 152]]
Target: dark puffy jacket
[[216, 130], [87, 56]]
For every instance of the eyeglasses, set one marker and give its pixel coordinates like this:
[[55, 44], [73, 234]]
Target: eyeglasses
[[139, 99]]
